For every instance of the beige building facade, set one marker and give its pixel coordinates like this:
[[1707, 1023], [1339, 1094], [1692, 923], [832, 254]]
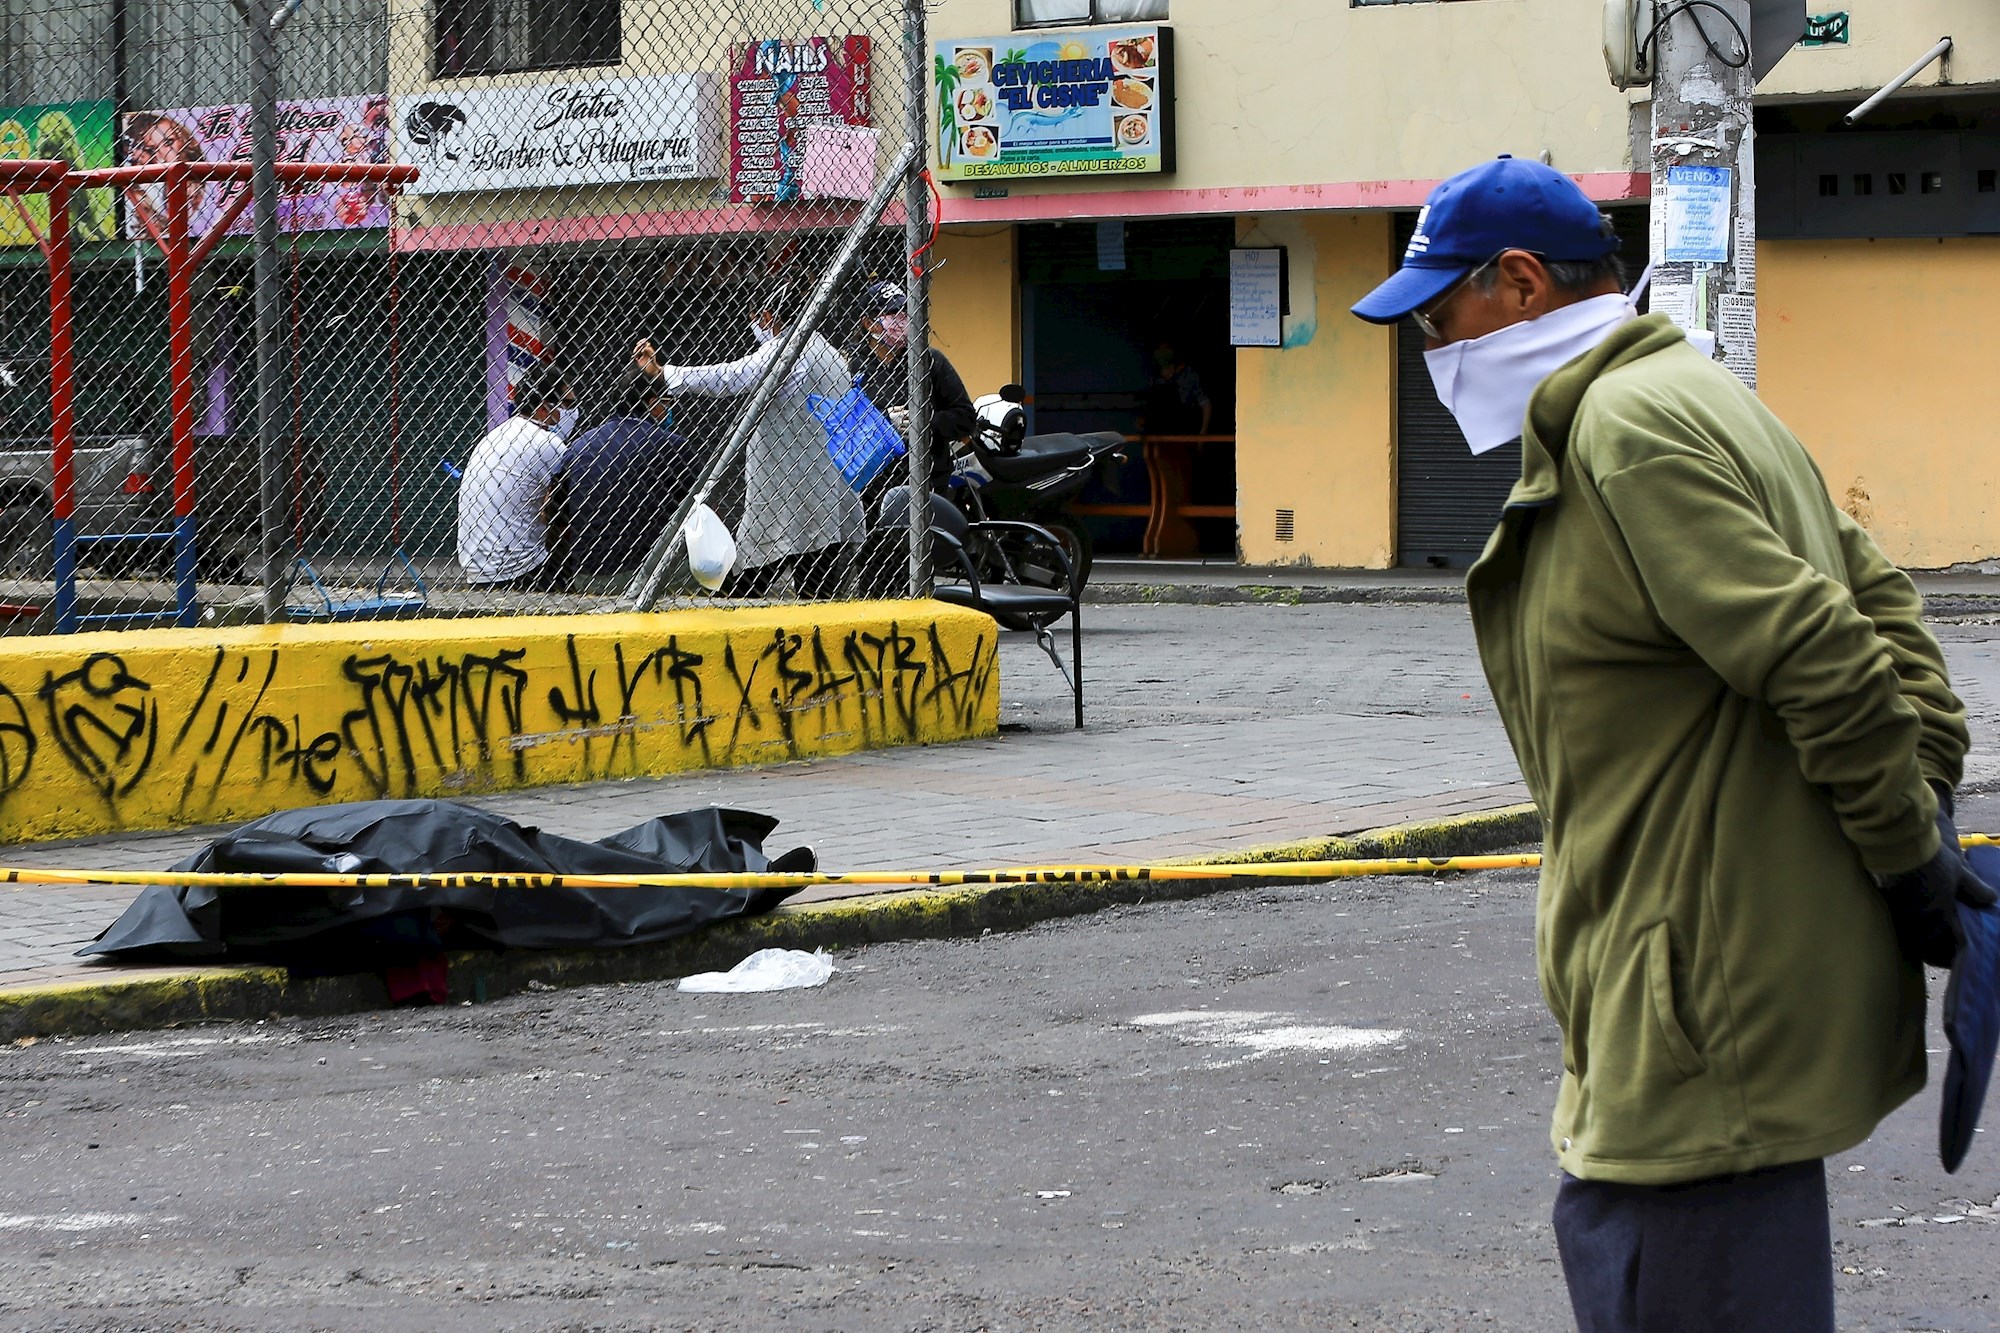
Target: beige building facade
[[1316, 128], [1319, 129]]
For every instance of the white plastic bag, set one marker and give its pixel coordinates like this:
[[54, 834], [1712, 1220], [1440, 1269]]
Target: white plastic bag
[[711, 551], [767, 969]]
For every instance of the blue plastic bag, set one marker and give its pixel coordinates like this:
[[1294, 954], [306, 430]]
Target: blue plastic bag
[[859, 438]]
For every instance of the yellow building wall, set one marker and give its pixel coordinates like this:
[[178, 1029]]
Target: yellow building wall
[[1884, 37], [154, 728], [1303, 92], [976, 306], [1868, 350], [1314, 419]]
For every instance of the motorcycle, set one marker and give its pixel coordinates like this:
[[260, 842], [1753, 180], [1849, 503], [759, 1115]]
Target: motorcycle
[[1002, 472]]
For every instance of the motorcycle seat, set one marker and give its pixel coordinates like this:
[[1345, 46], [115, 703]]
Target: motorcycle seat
[[1040, 455]]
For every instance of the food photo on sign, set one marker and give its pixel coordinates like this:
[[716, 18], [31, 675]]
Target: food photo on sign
[[1066, 104]]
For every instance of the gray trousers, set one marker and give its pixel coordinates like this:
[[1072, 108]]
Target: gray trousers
[[1744, 1252]]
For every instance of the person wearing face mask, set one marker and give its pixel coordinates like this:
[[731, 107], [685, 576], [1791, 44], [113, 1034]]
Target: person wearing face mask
[[1743, 744], [620, 480], [799, 514], [882, 361], [504, 498], [881, 358]]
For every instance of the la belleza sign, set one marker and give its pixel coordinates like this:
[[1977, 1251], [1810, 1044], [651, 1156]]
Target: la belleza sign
[[1055, 104]]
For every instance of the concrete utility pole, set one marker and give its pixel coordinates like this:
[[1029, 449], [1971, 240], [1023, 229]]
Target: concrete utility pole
[[1704, 232]]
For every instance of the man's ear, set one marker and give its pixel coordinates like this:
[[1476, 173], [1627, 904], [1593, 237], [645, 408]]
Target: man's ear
[[1523, 284]]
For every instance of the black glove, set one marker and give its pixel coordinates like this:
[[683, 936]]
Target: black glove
[[1923, 902]]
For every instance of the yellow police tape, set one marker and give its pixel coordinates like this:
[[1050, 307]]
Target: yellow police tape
[[23, 877], [493, 879]]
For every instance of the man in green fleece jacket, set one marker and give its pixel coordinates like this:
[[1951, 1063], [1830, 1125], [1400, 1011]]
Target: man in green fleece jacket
[[1743, 743]]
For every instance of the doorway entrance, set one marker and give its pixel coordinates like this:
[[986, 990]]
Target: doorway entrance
[[1125, 328]]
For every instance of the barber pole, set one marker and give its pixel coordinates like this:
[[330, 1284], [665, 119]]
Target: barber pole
[[513, 333]]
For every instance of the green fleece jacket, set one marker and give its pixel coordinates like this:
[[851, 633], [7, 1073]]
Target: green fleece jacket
[[1726, 706]]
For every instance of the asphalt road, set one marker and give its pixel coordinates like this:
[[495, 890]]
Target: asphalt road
[[1320, 1107]]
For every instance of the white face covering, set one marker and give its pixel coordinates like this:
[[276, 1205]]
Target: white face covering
[[565, 422], [1486, 382]]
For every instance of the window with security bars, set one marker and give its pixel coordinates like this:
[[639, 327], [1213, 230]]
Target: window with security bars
[[1057, 13], [54, 51], [165, 53], [504, 36]]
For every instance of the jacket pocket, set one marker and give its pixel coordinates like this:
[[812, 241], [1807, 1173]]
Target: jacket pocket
[[1660, 987]]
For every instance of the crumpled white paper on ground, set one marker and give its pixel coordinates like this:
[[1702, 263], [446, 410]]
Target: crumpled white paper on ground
[[765, 970]]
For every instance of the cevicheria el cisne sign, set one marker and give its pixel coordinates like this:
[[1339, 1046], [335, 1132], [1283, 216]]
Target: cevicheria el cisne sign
[[1098, 101], [587, 132]]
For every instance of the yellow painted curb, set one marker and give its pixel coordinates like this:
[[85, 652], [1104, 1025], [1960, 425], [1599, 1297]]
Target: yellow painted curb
[[159, 728], [120, 1001], [1485, 830]]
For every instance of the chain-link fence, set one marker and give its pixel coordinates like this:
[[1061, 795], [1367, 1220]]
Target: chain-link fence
[[534, 280]]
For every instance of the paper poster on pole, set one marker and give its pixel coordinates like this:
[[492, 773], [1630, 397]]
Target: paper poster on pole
[[1256, 298], [1746, 254], [1674, 299], [1737, 316], [1698, 214]]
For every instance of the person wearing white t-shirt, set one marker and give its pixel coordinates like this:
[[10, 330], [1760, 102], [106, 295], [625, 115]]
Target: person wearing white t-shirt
[[503, 501]]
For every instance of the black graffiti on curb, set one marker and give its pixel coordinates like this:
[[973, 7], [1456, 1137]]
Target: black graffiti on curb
[[17, 742], [104, 720], [442, 721]]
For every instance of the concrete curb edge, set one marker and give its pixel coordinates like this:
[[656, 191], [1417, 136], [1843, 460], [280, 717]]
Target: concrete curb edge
[[1936, 604], [228, 994], [1273, 594]]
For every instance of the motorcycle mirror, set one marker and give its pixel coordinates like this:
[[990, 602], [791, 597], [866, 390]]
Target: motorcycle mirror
[[1013, 393]]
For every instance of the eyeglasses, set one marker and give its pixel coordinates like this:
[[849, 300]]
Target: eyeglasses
[[1425, 318]]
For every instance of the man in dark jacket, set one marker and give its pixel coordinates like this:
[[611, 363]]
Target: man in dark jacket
[[882, 362], [1743, 743], [622, 480]]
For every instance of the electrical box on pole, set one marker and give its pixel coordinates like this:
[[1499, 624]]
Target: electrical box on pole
[[1775, 28]]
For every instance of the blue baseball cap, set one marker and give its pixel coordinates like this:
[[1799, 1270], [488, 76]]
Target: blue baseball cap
[[883, 298], [1506, 204]]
